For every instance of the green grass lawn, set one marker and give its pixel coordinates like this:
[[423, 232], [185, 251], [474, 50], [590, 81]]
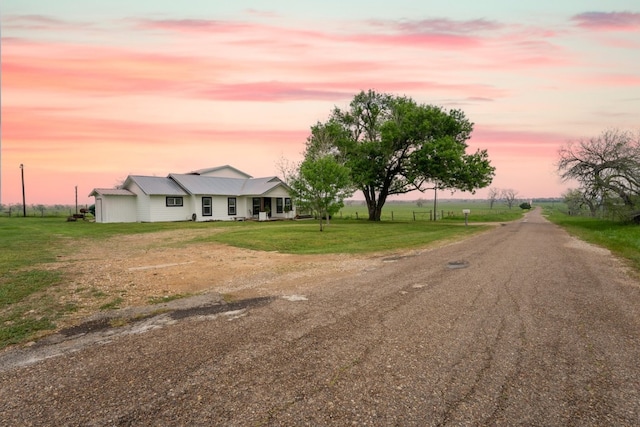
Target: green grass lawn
[[447, 210], [623, 239], [32, 298], [342, 236]]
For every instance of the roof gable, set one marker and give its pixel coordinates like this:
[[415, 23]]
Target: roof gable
[[225, 171], [155, 185], [111, 192]]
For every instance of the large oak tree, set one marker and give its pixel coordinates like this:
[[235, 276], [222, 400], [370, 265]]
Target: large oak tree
[[393, 145]]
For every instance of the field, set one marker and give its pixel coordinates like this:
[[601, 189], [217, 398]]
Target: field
[[39, 287], [447, 210], [35, 291], [623, 239]]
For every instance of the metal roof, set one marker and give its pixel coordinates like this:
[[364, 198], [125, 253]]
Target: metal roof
[[155, 185], [196, 184], [219, 168], [185, 184], [111, 192], [258, 186]]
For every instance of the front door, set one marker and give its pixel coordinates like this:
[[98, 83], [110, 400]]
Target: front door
[[267, 205]]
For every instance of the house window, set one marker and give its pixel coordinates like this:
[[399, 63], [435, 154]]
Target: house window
[[287, 204], [206, 206], [231, 206], [174, 201], [279, 205]]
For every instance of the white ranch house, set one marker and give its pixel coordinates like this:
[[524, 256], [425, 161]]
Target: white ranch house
[[216, 194]]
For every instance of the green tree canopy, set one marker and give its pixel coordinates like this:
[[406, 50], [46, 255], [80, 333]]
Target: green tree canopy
[[392, 145], [321, 185]]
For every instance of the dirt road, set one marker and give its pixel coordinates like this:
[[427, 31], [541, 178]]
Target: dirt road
[[522, 325]]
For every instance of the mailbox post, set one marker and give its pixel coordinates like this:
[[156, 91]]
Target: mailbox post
[[466, 213]]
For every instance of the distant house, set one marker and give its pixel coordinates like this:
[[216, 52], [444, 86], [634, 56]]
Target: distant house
[[215, 194]]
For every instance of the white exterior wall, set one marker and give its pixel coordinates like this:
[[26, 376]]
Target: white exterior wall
[[160, 212], [142, 203], [115, 209], [243, 206], [220, 208]]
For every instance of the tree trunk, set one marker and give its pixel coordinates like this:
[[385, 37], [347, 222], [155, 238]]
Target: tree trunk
[[375, 211]]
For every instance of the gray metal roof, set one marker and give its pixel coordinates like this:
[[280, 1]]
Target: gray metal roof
[[258, 186], [196, 184], [219, 168], [155, 185], [185, 184], [111, 192]]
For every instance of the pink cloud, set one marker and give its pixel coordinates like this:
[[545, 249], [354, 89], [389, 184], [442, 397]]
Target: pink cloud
[[518, 144], [608, 21], [612, 80], [114, 71], [439, 41], [100, 70], [397, 36], [58, 131], [333, 90], [194, 25]]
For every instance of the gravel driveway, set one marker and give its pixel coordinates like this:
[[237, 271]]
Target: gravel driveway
[[522, 325]]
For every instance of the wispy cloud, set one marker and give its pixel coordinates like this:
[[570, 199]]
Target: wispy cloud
[[262, 13], [438, 26], [608, 21], [519, 143], [60, 131], [39, 22], [194, 25]]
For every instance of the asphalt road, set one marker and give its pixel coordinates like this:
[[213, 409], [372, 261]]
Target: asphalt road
[[522, 325]]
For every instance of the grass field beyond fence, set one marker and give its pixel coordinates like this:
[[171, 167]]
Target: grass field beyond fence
[[446, 210]]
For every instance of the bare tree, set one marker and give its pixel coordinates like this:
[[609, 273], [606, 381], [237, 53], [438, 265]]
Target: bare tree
[[509, 196], [607, 167], [494, 195], [288, 170]]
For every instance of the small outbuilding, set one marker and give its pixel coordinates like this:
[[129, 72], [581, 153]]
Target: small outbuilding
[[215, 194]]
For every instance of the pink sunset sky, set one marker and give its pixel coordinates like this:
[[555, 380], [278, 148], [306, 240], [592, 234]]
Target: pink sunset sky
[[94, 91]]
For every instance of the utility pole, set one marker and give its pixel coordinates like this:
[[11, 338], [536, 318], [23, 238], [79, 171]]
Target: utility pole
[[24, 204]]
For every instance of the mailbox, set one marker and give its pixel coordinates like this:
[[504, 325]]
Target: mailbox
[[466, 213]]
